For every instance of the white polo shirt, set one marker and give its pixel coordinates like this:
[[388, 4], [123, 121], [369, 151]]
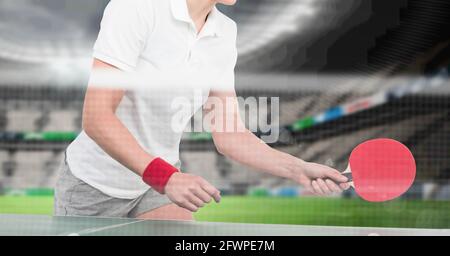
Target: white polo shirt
[[148, 36]]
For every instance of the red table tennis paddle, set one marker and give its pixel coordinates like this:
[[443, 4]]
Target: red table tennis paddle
[[381, 169]]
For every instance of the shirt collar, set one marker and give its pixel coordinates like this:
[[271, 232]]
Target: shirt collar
[[180, 12]]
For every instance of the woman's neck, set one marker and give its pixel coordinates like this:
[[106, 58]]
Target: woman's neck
[[199, 10]]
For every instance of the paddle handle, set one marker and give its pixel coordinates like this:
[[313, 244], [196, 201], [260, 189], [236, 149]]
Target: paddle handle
[[348, 171]]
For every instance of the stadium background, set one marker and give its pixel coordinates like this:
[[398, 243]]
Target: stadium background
[[345, 71]]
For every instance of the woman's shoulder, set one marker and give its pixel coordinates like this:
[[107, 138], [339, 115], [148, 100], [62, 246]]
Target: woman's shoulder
[[228, 25]]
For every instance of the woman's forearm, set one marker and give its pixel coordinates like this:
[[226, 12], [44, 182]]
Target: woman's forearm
[[247, 149]]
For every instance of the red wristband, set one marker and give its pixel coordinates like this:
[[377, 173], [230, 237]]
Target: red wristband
[[158, 173]]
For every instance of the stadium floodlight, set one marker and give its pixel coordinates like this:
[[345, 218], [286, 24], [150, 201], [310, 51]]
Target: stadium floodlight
[[27, 33], [276, 21]]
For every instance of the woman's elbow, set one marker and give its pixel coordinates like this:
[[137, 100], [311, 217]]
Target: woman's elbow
[[220, 144], [92, 123], [89, 126], [221, 150]]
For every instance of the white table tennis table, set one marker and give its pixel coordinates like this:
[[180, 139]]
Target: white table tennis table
[[32, 225]]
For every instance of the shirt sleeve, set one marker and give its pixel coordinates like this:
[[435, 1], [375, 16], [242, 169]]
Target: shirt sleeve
[[228, 75], [124, 30]]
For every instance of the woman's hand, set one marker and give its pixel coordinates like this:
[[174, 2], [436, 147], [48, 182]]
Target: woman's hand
[[190, 192], [319, 179]]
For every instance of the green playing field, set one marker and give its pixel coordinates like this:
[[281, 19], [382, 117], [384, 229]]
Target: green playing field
[[305, 211]]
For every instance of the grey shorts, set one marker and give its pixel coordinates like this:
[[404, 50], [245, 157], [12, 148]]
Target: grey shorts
[[73, 197]]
